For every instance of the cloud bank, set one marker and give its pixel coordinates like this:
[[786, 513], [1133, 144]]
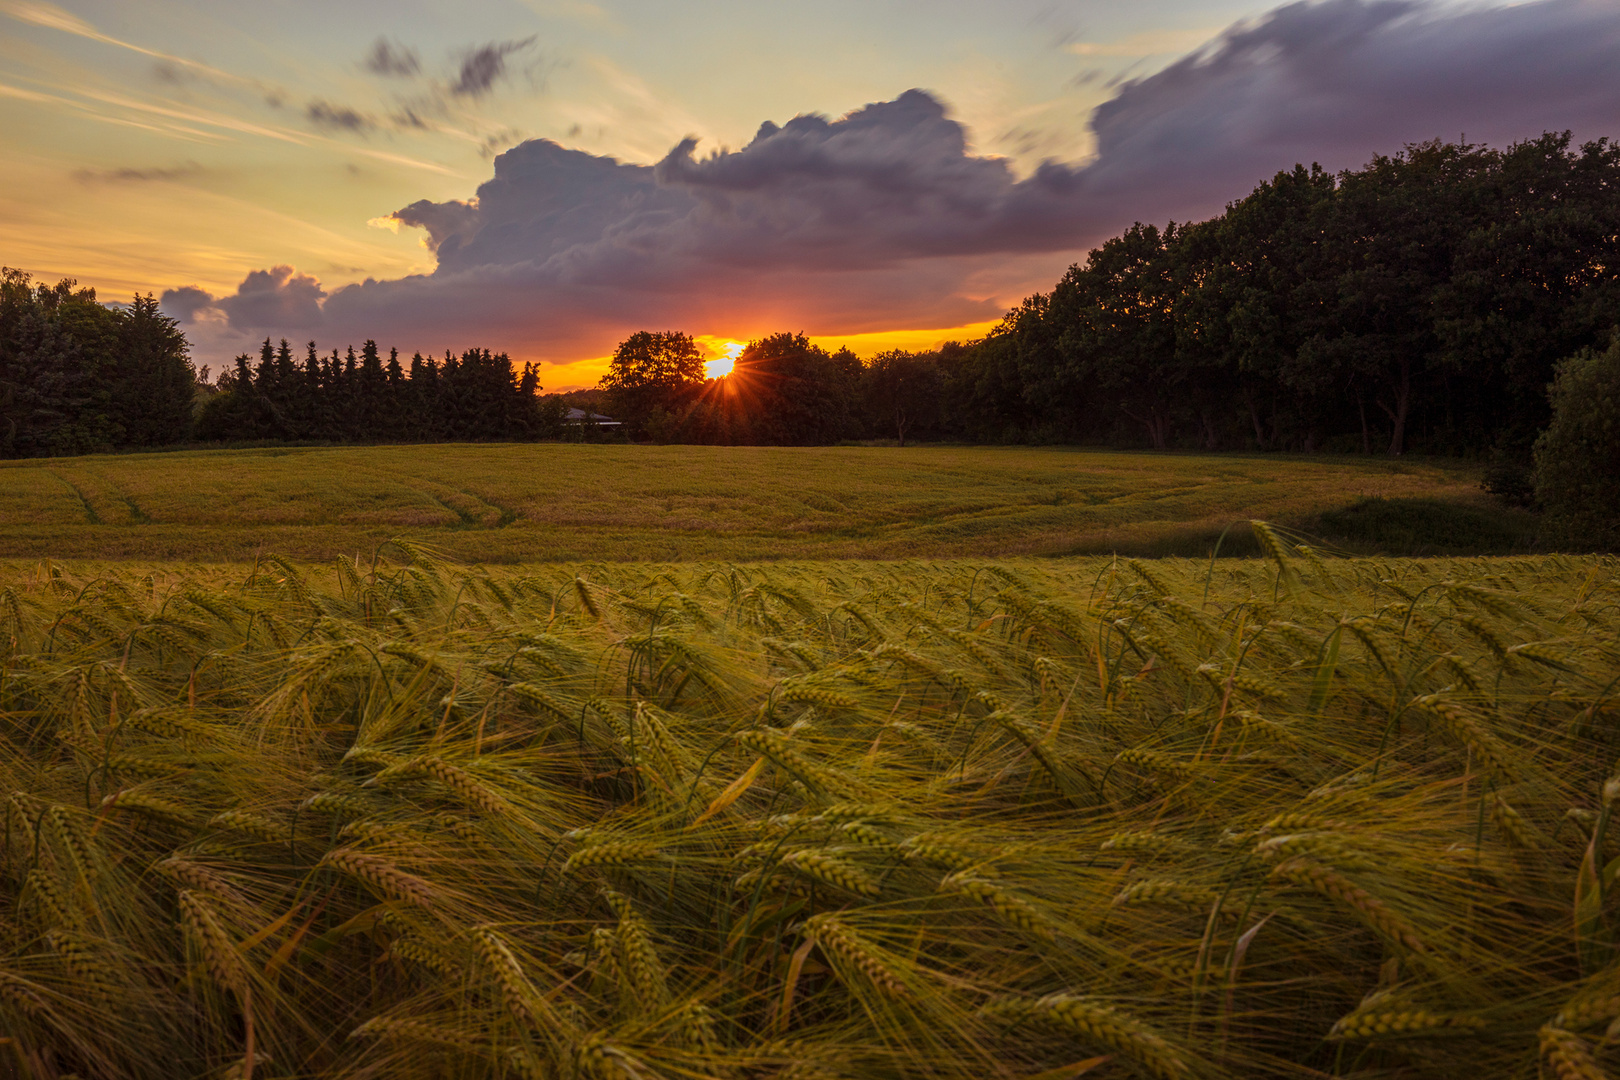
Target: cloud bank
[[884, 218]]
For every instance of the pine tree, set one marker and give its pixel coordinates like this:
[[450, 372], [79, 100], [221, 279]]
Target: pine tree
[[393, 404], [153, 384]]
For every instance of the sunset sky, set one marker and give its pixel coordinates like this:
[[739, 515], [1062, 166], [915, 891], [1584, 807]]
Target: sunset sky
[[545, 177]]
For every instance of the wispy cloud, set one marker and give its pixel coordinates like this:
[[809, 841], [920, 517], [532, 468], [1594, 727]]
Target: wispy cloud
[[25, 95], [392, 59], [165, 117], [482, 66], [401, 159], [208, 117], [324, 114], [159, 174], [51, 17], [170, 130], [1151, 43]]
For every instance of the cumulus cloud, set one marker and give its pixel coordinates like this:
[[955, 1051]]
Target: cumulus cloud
[[280, 297], [1338, 82], [883, 217], [186, 303], [889, 182], [481, 67], [392, 59]]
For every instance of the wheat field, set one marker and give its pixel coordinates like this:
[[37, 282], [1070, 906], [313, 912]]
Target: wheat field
[[1283, 817], [561, 502]]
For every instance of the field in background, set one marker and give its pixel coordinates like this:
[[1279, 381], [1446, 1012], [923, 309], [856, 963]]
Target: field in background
[[564, 502], [971, 819]]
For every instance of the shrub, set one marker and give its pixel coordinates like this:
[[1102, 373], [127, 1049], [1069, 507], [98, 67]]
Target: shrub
[[1511, 478], [1578, 456]]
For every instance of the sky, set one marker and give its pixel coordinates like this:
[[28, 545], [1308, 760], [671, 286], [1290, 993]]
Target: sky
[[545, 177]]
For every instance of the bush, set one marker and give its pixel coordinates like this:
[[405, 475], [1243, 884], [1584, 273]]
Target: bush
[[1578, 456], [1511, 479]]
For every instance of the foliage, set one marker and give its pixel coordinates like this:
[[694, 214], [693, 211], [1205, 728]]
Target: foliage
[[1432, 290], [901, 391], [559, 502], [476, 397], [782, 391], [1511, 478], [1274, 818], [1578, 457], [652, 375], [77, 376]]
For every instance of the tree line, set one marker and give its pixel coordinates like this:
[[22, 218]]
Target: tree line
[[1420, 303], [78, 376], [365, 398]]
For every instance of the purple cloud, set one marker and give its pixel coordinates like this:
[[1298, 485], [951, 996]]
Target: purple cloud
[[1338, 82], [278, 298], [184, 303], [883, 218]]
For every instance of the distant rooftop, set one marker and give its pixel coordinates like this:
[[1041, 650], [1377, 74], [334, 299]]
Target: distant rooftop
[[579, 416]]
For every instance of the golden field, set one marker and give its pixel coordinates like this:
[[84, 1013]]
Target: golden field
[[1015, 819], [572, 502]]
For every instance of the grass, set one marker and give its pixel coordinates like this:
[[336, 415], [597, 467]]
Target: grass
[[1017, 819], [570, 503]]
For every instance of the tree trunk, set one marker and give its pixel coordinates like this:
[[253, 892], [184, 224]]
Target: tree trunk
[[1366, 434], [1156, 423], [900, 427], [1254, 417], [1397, 415]]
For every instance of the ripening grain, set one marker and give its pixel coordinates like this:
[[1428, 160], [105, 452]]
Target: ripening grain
[[560, 502], [1282, 818]]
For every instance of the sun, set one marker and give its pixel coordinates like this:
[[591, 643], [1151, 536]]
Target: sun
[[721, 365]]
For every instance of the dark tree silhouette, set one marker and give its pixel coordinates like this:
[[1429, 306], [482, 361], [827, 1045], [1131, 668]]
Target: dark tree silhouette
[[77, 376], [902, 391], [652, 375]]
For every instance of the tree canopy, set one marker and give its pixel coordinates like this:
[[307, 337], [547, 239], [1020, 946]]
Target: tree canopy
[[348, 398], [77, 376], [1578, 456], [652, 375], [1423, 300]]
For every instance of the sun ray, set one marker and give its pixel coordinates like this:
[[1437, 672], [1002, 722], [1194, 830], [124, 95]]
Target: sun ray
[[719, 366]]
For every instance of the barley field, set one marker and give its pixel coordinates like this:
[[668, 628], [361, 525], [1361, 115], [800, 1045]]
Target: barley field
[[571, 503], [1023, 819]]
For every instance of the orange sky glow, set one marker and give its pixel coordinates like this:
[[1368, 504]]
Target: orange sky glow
[[720, 350], [200, 143], [545, 177]]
